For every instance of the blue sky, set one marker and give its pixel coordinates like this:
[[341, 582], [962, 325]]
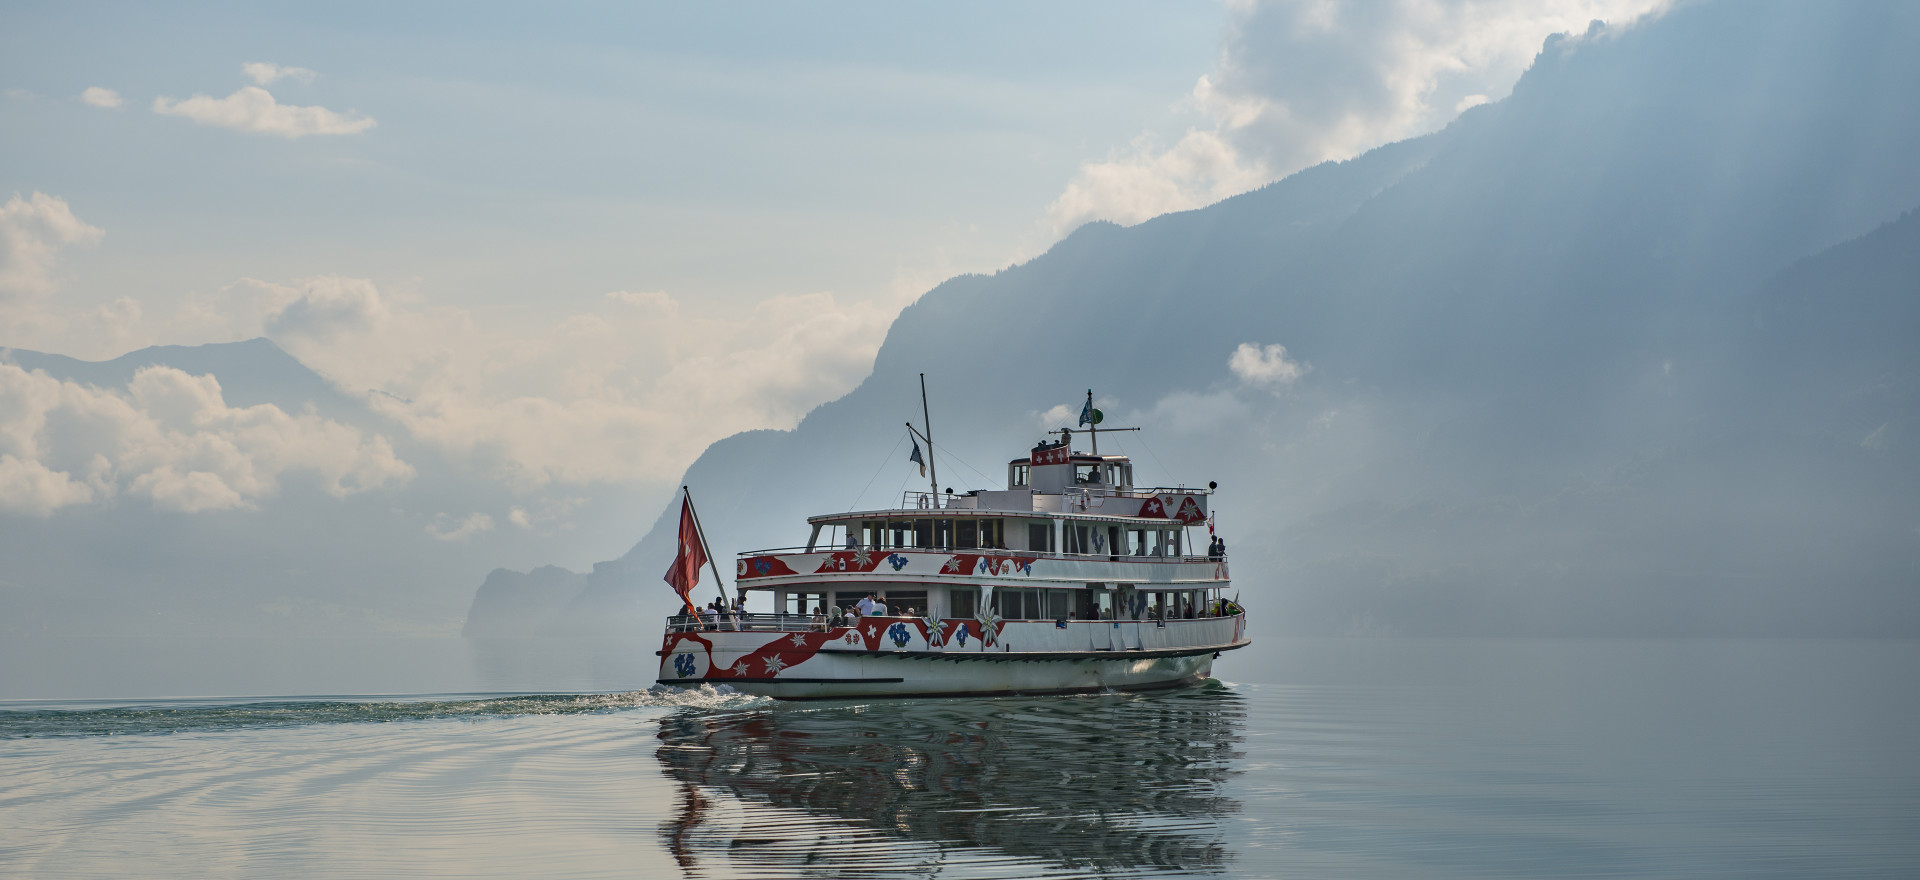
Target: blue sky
[[723, 155], [594, 239]]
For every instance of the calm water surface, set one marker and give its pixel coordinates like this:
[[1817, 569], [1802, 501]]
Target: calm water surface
[[1364, 758]]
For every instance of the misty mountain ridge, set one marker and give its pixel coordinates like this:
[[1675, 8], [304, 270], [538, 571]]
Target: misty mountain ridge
[[306, 551], [1626, 353]]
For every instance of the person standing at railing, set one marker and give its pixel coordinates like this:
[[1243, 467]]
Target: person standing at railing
[[819, 618]]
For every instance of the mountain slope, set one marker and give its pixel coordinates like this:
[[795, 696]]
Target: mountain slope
[[1531, 405]]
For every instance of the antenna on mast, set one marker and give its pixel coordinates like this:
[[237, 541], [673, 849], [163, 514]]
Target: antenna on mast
[[1093, 422], [933, 473]]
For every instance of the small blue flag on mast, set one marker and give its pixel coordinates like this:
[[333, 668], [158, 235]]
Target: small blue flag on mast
[[916, 459]]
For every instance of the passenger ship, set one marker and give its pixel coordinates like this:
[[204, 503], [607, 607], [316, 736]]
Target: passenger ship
[[1072, 579]]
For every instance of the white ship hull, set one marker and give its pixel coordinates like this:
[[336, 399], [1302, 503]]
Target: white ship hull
[[909, 657]]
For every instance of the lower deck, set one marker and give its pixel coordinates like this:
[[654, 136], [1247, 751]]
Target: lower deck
[[902, 655]]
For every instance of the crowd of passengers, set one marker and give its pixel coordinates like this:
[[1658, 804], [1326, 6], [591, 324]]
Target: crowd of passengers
[[722, 615]]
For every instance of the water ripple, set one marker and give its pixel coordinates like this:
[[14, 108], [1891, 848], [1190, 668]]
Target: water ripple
[[174, 718]]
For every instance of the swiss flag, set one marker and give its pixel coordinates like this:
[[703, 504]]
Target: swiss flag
[[685, 573]]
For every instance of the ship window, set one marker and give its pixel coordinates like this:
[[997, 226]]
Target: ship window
[[1056, 603], [993, 533], [1040, 537], [923, 533], [1019, 476], [967, 534], [1136, 542], [1018, 604], [1084, 474], [943, 533], [901, 603], [963, 602]]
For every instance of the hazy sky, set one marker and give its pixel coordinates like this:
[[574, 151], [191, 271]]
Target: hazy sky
[[599, 238]]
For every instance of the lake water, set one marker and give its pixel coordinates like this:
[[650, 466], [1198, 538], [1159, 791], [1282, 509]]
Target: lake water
[[1317, 758]]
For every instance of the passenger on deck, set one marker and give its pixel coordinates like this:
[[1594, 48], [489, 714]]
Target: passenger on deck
[[879, 608], [819, 618], [837, 619], [866, 606]]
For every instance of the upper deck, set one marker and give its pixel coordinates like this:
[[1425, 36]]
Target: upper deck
[[1064, 516]]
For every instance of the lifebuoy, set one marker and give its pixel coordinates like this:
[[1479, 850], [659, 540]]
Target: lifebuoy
[[925, 502]]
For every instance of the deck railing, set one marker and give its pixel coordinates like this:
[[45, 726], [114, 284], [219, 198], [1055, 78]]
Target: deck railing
[[747, 622], [983, 551], [741, 621]]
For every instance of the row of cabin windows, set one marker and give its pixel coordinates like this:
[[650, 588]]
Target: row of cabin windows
[[900, 603], [947, 534], [990, 534], [1083, 475], [1095, 602], [1116, 541]]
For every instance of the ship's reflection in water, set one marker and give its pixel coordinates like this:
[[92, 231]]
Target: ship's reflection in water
[[1102, 785]]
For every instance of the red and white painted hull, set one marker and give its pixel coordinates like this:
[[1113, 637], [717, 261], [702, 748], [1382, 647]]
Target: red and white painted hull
[[897, 656]]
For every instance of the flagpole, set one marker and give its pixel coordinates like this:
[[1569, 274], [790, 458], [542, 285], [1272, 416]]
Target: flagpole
[[1093, 427], [927, 419], [719, 582]]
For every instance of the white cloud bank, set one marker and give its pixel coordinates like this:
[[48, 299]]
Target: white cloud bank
[[266, 73], [1266, 367], [32, 232], [169, 437], [253, 109], [100, 97], [446, 528], [629, 392], [1306, 81]]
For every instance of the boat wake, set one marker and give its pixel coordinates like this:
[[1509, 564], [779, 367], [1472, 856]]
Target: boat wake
[[207, 715]]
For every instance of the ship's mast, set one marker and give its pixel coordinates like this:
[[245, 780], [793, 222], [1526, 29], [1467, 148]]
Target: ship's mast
[[1093, 423], [926, 419]]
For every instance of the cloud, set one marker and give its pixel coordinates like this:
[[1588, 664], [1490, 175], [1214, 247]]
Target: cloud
[[30, 487], [100, 97], [1266, 367], [32, 232], [169, 437], [264, 73], [1057, 416], [253, 109], [1147, 181], [446, 529], [630, 391], [329, 306], [1301, 82]]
